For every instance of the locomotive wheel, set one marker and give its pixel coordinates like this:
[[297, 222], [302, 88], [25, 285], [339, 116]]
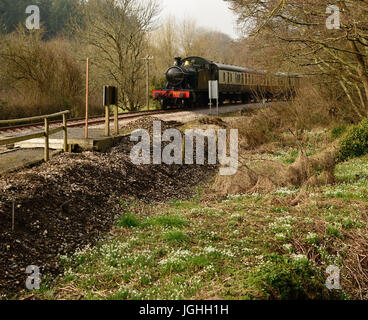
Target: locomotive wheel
[[163, 104]]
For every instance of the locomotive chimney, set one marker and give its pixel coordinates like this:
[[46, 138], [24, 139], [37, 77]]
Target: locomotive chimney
[[177, 61]]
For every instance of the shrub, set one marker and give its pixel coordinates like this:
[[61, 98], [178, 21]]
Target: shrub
[[355, 142], [337, 131], [38, 77], [285, 278], [308, 110]]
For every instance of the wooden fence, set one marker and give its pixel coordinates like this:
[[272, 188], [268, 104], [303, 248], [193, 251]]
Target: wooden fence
[[107, 120], [46, 133]]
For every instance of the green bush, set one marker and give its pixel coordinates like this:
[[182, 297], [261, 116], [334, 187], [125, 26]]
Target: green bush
[[355, 142], [337, 131], [285, 278]]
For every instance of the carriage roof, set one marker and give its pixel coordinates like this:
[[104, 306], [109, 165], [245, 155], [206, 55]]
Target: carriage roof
[[227, 67]]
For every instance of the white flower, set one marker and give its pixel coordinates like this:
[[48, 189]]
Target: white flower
[[299, 257], [312, 236], [210, 249], [280, 236]]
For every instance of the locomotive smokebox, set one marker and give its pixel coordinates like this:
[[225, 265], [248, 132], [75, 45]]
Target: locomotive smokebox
[[175, 76]]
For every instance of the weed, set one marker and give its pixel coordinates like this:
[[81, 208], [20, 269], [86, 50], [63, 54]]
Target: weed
[[337, 131], [283, 278], [167, 221], [128, 220], [333, 231], [175, 235]]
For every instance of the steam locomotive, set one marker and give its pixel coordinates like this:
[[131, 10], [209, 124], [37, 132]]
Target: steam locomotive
[[187, 83]]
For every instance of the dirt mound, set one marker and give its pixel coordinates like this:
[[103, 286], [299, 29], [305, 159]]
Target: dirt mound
[[145, 123], [73, 200], [214, 121], [246, 112]]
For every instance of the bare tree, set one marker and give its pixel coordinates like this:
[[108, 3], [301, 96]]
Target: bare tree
[[164, 43], [298, 28], [115, 32], [44, 72], [184, 38]]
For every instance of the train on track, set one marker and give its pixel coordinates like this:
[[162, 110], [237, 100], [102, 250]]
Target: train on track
[[187, 83]]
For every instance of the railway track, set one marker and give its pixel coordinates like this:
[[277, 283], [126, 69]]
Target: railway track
[[77, 122], [72, 123]]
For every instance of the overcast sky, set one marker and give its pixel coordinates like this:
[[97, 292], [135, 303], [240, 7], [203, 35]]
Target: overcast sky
[[213, 14]]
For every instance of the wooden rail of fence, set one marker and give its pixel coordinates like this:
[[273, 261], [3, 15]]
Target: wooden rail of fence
[[46, 133]]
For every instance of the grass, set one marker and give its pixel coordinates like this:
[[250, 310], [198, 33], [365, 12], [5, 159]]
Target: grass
[[289, 156], [167, 221], [250, 246], [128, 220], [240, 247], [175, 235]]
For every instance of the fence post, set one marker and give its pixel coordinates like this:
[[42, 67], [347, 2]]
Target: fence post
[[107, 121], [116, 120], [65, 128], [46, 151]]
